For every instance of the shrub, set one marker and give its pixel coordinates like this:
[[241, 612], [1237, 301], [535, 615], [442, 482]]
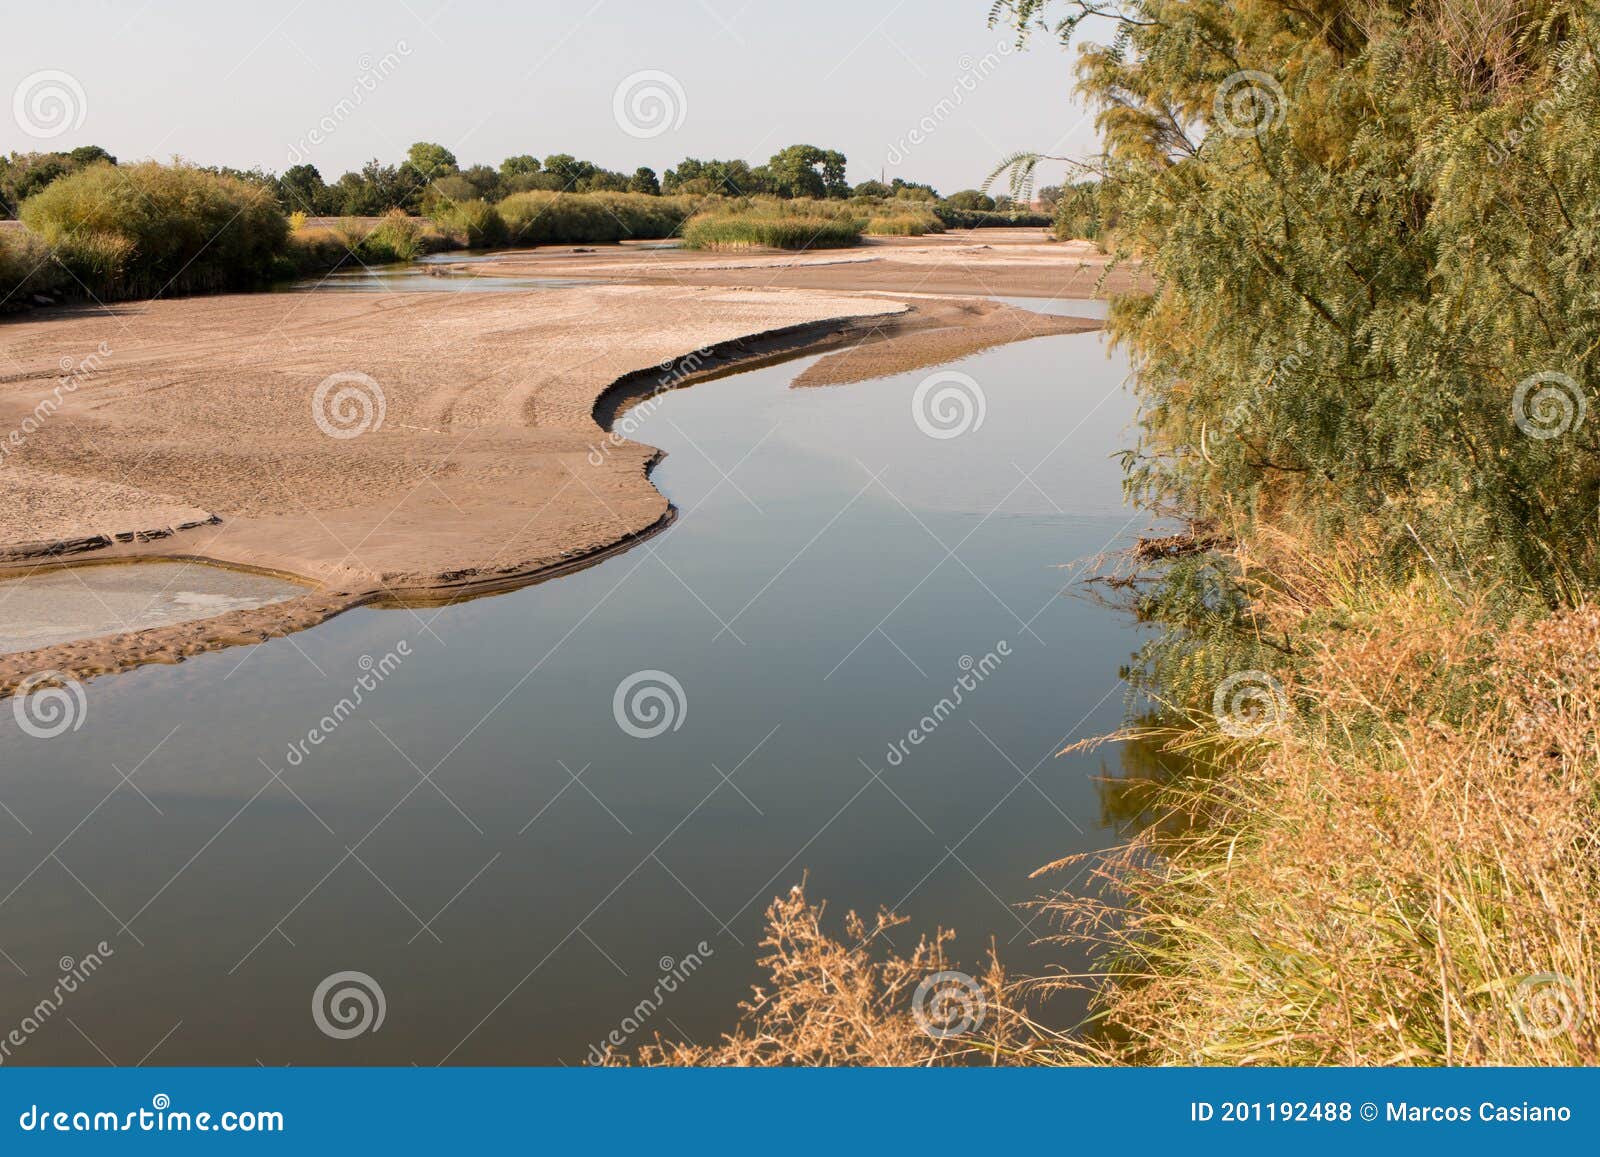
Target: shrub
[[317, 249], [758, 226], [398, 237], [904, 225], [983, 219], [26, 269], [147, 229], [970, 199], [475, 224], [549, 218]]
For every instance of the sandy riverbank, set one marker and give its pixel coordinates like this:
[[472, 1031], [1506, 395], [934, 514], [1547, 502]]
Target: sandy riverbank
[[193, 428], [990, 262]]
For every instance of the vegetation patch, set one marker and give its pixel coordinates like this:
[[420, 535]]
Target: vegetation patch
[[549, 218], [762, 228], [142, 230]]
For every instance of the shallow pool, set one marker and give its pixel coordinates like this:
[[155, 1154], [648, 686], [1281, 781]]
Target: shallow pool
[[81, 602]]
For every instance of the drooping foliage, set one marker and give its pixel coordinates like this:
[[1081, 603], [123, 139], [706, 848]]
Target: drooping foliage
[[1372, 232]]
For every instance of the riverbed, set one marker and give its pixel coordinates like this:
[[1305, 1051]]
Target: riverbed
[[517, 814]]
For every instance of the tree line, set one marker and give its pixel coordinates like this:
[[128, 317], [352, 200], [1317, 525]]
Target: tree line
[[431, 175]]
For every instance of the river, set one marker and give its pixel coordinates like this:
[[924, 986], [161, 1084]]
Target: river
[[531, 807]]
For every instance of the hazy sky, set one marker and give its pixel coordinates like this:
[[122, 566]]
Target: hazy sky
[[918, 88]]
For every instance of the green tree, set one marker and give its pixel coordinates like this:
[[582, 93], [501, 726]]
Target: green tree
[[644, 181], [807, 171], [1370, 232], [24, 174], [733, 178], [301, 189], [431, 160], [970, 199], [518, 166]]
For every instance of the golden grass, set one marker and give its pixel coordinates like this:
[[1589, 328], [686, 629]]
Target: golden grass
[[851, 1002], [1406, 871]]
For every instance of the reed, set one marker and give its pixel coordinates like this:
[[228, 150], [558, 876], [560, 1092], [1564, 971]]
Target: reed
[[550, 218], [760, 229]]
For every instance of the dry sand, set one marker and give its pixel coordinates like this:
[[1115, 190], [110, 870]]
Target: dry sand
[[195, 434], [988, 262]]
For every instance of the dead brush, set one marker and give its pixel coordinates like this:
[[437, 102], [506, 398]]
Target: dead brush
[[851, 1001]]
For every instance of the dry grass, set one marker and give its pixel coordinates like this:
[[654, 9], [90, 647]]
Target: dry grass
[[852, 1002], [1406, 872]]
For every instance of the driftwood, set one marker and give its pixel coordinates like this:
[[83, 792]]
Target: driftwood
[[1195, 540]]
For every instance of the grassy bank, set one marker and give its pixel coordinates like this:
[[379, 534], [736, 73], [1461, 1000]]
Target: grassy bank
[[1381, 848]]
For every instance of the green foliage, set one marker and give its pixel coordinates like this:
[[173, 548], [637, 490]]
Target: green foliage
[[778, 226], [805, 171], [26, 269], [1081, 211], [981, 219], [398, 237], [546, 218], [475, 224], [904, 224], [148, 229], [644, 180], [1355, 287], [969, 199], [24, 174], [704, 178], [431, 160], [518, 166]]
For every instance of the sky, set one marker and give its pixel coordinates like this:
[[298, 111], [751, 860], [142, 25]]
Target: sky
[[921, 89]]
